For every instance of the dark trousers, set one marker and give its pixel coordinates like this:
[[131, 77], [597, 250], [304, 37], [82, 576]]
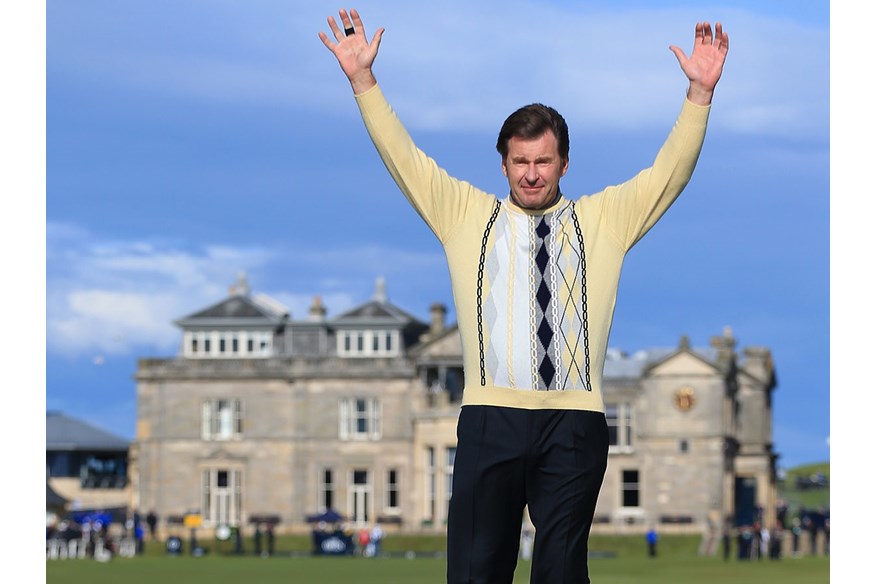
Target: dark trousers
[[506, 458]]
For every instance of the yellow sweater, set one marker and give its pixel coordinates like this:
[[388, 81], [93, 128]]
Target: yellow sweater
[[534, 291]]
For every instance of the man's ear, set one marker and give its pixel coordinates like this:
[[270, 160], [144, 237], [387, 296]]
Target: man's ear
[[565, 167], [504, 168]]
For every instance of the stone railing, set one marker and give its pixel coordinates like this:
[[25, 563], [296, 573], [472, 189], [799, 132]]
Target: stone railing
[[288, 368]]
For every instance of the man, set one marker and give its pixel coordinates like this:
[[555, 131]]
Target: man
[[152, 522], [534, 279], [651, 538]]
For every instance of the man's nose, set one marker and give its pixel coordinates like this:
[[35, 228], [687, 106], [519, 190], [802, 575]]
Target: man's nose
[[532, 173]]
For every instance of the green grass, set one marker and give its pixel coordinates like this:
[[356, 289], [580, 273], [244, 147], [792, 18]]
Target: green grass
[[677, 563], [617, 560], [344, 570], [808, 498]]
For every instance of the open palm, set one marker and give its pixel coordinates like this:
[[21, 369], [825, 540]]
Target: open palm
[[706, 62], [354, 53]]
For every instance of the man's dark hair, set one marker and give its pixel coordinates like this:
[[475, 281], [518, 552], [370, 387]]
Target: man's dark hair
[[529, 123]]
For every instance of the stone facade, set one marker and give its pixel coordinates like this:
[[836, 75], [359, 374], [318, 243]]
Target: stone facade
[[262, 417]]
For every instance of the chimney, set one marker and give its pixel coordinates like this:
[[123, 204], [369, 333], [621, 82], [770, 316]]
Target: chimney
[[438, 313], [380, 290], [724, 342], [726, 345], [317, 310], [241, 287]]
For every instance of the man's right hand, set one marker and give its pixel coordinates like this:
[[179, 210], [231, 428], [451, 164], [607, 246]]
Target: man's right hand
[[354, 53]]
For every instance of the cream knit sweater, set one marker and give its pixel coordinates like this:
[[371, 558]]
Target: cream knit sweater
[[534, 291]]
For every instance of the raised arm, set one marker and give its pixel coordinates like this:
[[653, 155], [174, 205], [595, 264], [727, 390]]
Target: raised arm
[[354, 53], [706, 62]]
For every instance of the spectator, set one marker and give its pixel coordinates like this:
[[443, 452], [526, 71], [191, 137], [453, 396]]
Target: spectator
[[364, 538], [776, 538], [763, 552], [651, 538], [152, 522], [827, 536], [757, 540], [376, 539], [527, 534], [796, 530], [782, 513], [257, 539], [811, 523], [138, 537], [744, 543], [269, 534]]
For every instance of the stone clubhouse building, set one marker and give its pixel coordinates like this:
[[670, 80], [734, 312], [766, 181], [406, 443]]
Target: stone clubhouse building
[[262, 417]]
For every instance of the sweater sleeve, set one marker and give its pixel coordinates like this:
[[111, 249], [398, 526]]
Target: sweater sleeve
[[632, 208], [438, 198]]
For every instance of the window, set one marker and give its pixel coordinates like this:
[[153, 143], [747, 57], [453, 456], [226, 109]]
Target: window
[[430, 484], [368, 343], [360, 419], [62, 464], [223, 344], [103, 470], [360, 496], [450, 457], [683, 446], [221, 496], [327, 490], [630, 488], [392, 490], [222, 419], [620, 426]]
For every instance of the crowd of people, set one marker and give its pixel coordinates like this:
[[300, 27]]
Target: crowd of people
[[96, 535], [340, 538], [807, 530]]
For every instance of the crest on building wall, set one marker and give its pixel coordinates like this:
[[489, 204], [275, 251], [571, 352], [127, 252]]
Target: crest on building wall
[[684, 398]]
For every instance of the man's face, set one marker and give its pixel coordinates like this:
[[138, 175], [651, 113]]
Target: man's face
[[534, 169]]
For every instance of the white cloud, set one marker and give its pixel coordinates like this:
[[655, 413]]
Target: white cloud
[[605, 70], [114, 296], [121, 297]]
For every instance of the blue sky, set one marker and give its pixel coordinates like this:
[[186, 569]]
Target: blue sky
[[187, 141]]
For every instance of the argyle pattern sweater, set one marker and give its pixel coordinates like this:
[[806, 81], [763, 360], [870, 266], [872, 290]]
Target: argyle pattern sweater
[[534, 291]]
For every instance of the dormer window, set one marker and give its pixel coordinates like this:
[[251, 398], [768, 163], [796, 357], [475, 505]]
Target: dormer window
[[227, 344], [368, 343]]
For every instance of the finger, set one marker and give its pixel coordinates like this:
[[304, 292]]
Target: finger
[[698, 33], [721, 36], [345, 19], [679, 54], [325, 40], [335, 30], [707, 33], [357, 22], [375, 42]]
